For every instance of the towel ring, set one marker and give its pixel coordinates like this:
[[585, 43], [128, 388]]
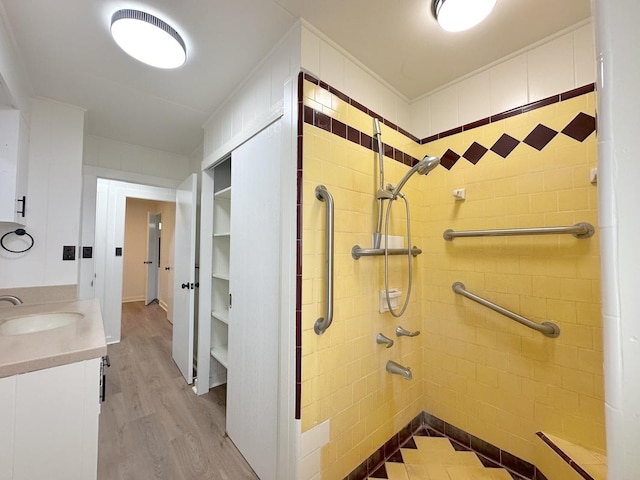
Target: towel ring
[[20, 232]]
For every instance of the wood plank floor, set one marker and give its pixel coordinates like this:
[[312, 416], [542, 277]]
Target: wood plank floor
[[152, 425]]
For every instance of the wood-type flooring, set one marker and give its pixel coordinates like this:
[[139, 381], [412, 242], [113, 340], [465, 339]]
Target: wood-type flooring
[[152, 424]]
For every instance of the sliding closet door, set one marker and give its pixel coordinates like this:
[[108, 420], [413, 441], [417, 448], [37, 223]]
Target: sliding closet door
[[252, 375]]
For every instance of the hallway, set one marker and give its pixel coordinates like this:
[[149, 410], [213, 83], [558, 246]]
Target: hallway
[[152, 425]]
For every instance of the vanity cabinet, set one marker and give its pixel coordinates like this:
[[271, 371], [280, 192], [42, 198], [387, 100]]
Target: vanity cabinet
[[49, 423], [14, 161]]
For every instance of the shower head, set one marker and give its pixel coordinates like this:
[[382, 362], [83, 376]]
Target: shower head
[[423, 167]]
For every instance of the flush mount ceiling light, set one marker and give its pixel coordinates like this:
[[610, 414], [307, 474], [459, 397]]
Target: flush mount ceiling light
[[148, 39], [459, 15]]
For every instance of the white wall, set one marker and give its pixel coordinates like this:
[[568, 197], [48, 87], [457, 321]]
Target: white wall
[[53, 199], [260, 93], [11, 71], [326, 60], [557, 64], [619, 196], [110, 154]]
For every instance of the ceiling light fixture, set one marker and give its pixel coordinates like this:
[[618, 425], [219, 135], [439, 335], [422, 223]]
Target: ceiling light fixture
[[148, 39], [459, 15]]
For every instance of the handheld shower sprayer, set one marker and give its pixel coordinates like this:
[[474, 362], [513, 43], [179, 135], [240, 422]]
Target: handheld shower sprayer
[[423, 167]]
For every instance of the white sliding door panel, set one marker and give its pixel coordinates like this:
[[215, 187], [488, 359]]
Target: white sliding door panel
[[252, 379]]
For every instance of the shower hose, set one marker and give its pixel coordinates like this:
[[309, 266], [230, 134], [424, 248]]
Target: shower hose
[[386, 256]]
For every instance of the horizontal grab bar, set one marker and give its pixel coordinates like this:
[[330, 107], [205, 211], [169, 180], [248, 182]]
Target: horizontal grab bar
[[357, 251], [323, 323], [579, 230], [548, 329]]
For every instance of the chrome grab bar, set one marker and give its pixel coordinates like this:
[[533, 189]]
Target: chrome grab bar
[[357, 251], [323, 323], [548, 329], [579, 230]]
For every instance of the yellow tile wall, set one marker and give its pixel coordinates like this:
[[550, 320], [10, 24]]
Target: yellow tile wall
[[503, 382], [471, 367]]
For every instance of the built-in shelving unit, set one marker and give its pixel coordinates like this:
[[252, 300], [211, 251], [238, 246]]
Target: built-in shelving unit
[[220, 272]]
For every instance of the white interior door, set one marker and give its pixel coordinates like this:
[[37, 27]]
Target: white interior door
[[184, 277], [252, 375], [153, 234]]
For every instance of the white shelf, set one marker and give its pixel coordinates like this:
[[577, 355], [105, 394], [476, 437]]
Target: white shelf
[[220, 354], [221, 316], [221, 234], [221, 276], [224, 193]]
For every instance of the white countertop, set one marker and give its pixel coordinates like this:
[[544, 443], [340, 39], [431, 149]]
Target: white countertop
[[81, 340]]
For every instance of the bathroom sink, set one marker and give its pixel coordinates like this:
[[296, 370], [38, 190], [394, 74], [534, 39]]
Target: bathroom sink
[[38, 322]]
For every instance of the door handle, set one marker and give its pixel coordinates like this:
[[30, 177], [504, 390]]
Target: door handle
[[148, 262]]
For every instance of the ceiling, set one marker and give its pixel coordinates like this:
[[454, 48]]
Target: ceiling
[[77, 62]]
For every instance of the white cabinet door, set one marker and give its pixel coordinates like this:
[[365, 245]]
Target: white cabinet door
[[14, 143], [184, 276], [7, 425], [252, 376]]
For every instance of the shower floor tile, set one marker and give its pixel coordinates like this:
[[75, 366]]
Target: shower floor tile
[[435, 458]]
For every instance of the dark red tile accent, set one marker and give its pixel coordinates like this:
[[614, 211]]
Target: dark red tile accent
[[398, 156], [476, 124], [448, 133], [299, 197], [375, 115], [540, 137], [380, 472], [359, 106], [576, 92], [298, 328], [449, 159], [300, 152], [311, 79], [409, 135], [308, 114], [353, 135], [366, 141], [564, 456], [541, 103], [517, 464], [299, 364], [322, 121], [324, 85], [339, 128], [387, 149], [475, 152], [390, 124], [339, 94], [580, 127], [298, 402], [509, 113], [505, 145], [300, 117]]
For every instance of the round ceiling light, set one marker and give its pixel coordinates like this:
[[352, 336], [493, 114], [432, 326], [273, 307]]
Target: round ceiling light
[[459, 15], [148, 39]]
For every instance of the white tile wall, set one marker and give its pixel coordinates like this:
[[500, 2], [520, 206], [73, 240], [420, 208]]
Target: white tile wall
[[555, 66], [312, 442], [550, 68], [323, 59], [261, 91]]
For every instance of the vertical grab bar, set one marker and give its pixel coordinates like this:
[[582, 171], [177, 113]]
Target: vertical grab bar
[[323, 323]]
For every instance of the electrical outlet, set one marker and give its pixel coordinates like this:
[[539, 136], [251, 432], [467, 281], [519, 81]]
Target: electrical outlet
[[69, 252], [87, 252]]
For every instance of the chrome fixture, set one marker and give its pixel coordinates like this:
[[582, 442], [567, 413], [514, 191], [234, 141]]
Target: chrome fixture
[[397, 369], [459, 15], [383, 340], [323, 323], [579, 230], [357, 251], [548, 329], [381, 190], [11, 299], [401, 332], [423, 167], [148, 39]]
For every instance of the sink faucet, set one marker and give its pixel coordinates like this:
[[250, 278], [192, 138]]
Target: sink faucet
[[11, 299]]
